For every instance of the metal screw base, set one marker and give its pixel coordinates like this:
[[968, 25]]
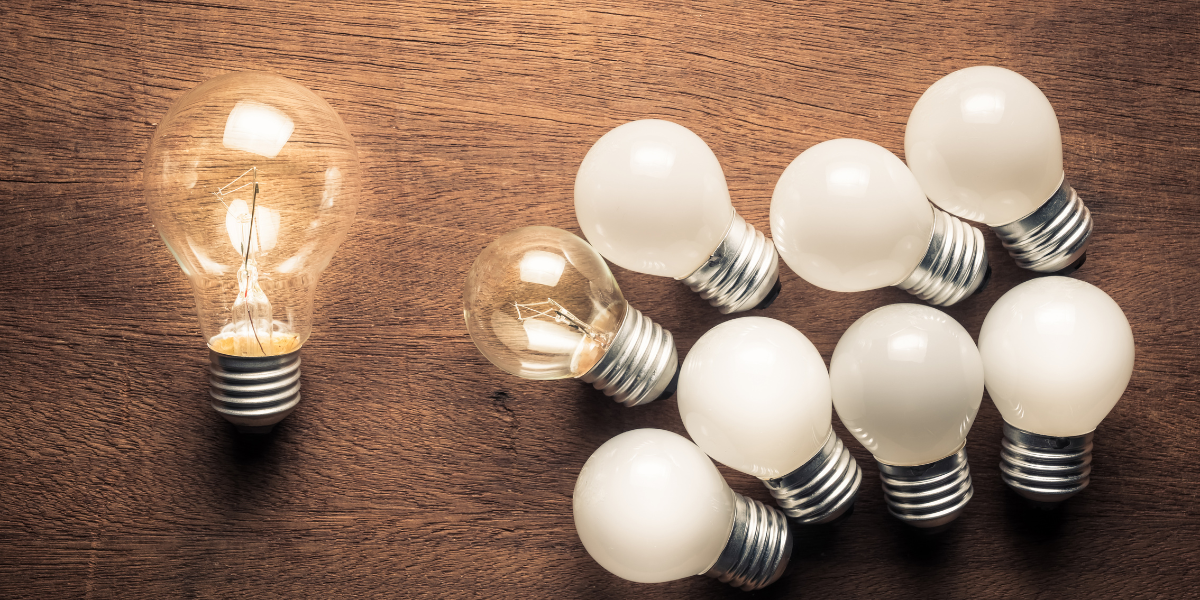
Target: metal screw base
[[822, 489], [929, 495], [254, 392], [1051, 238], [640, 363], [954, 266], [758, 549], [740, 273], [1044, 468]]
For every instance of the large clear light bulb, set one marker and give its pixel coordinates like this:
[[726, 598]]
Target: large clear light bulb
[[754, 394], [848, 216], [651, 197], [540, 303], [907, 382], [1058, 353], [985, 145], [651, 507], [252, 180]]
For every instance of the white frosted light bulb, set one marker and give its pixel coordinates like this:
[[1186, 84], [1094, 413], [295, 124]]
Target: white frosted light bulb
[[848, 216], [540, 303], [907, 382], [754, 395], [651, 197], [651, 507], [252, 180], [985, 145], [1058, 354]]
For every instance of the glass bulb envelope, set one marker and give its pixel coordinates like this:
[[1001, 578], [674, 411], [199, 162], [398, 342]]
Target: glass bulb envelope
[[252, 181], [540, 303]]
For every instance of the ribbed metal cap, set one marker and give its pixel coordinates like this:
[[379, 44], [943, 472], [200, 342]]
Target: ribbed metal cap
[[741, 273], [641, 363], [822, 489], [759, 546], [1053, 237], [1045, 468], [954, 266], [254, 392], [930, 495]]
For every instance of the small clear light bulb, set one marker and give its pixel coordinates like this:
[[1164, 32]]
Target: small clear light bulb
[[985, 145], [907, 382], [651, 197], [651, 507], [252, 181], [848, 216], [754, 394], [1058, 353], [540, 303]]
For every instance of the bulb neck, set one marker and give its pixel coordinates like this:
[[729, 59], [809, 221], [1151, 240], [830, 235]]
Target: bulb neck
[[1052, 238], [954, 266], [758, 549], [640, 364], [822, 489], [928, 496], [741, 274], [254, 392], [1043, 468]]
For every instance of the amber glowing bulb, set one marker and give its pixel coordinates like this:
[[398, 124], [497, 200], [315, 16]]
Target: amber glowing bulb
[[252, 181]]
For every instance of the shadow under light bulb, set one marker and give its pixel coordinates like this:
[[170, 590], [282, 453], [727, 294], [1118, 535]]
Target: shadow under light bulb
[[651, 197], [252, 181], [907, 382], [540, 303], [754, 394], [1058, 353], [848, 216], [984, 143], [650, 507]]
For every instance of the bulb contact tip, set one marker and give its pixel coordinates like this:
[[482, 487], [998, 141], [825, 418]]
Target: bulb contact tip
[[741, 274], [955, 265], [928, 496], [822, 489], [640, 366], [1043, 468], [758, 549], [1052, 238], [254, 392]]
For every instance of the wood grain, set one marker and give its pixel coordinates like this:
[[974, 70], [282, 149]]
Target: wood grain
[[414, 468]]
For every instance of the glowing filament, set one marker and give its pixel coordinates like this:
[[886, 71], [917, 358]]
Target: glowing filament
[[252, 230]]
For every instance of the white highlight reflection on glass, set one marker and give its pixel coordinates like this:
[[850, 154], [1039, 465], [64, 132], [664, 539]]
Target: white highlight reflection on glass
[[265, 227], [207, 264], [850, 179], [983, 105], [550, 337], [1055, 318], [541, 267], [333, 187], [908, 345], [257, 128], [297, 260], [651, 159]]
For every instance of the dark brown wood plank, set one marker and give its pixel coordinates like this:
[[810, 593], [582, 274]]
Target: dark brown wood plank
[[414, 468]]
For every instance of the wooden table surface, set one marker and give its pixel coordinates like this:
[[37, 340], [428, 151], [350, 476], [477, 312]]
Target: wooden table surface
[[413, 467]]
